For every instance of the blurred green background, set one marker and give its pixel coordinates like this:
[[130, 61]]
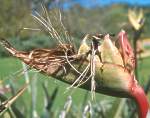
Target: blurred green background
[[78, 20]]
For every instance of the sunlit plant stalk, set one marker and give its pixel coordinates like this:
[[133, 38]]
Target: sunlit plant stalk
[[136, 20]]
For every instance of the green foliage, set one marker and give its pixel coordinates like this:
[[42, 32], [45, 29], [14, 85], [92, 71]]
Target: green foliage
[[30, 43], [78, 21], [14, 15], [103, 105]]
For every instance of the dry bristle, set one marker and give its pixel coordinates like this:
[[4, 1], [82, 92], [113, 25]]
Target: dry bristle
[[83, 76], [50, 61], [6, 104], [49, 27]]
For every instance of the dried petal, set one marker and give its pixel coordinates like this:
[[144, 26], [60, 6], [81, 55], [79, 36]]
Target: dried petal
[[126, 51], [84, 48], [109, 52], [136, 20]]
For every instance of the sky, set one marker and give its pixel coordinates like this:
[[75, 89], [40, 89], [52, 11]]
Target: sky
[[106, 2], [92, 3]]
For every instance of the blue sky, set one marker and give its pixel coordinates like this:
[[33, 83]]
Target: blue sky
[[91, 3], [106, 2]]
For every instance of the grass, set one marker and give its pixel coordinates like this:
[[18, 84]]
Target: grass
[[144, 68], [9, 66]]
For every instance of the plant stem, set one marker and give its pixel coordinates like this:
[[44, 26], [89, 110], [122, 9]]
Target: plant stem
[[136, 36]]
